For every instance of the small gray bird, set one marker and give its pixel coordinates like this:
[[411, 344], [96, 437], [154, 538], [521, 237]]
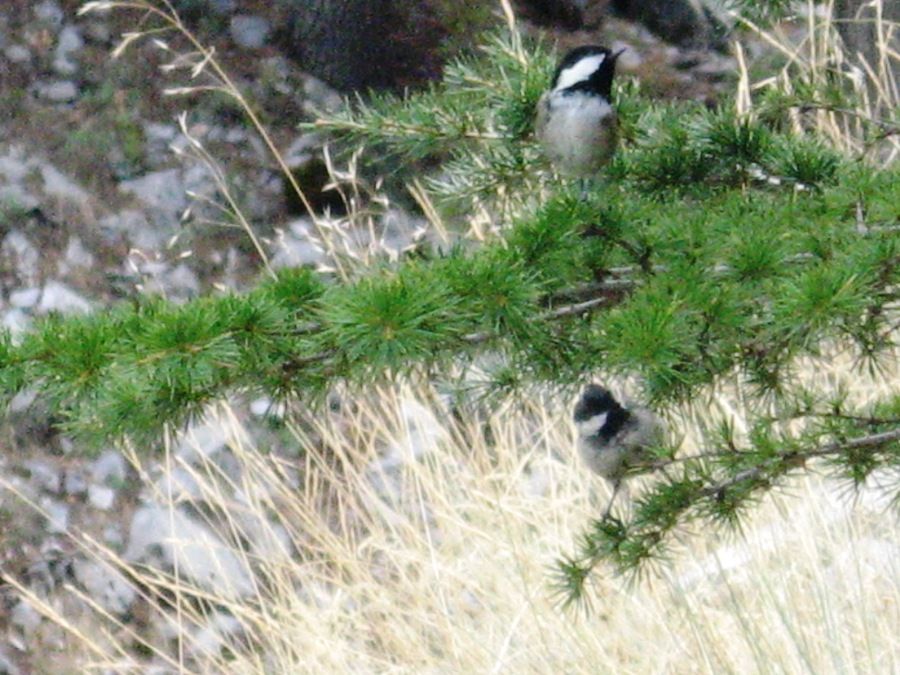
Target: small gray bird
[[576, 121], [613, 440]]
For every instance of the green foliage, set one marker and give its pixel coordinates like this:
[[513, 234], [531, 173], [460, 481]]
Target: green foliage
[[715, 245]]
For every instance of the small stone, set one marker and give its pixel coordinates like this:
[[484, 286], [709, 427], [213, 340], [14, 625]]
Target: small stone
[[266, 407], [182, 283], [62, 91], [53, 297], [57, 516], [98, 32], [163, 192], [630, 59], [133, 227], [60, 298], [77, 256], [74, 483], [189, 545], [179, 485], [105, 584], [44, 475], [49, 12], [113, 537], [250, 31], [101, 497], [17, 54], [25, 298], [222, 6], [16, 322], [202, 441], [319, 96], [109, 469], [7, 667], [70, 41], [159, 138], [18, 250], [57, 184], [213, 636], [25, 617]]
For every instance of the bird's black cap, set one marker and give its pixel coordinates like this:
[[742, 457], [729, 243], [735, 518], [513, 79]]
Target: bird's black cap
[[595, 400], [600, 81]]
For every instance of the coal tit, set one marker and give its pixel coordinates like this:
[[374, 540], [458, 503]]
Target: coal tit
[[612, 440], [576, 122]]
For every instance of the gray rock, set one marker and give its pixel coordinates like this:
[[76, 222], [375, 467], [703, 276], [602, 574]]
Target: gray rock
[[133, 227], [14, 165], [319, 96], [178, 485], [296, 247], [158, 138], [101, 497], [98, 32], [16, 248], [266, 407], [109, 469], [23, 401], [77, 256], [223, 6], [199, 181], [105, 584], [75, 484], [50, 13], [181, 283], [210, 639], [269, 541], [164, 193], [60, 298], [171, 538], [201, 441], [69, 42], [57, 184], [16, 321], [250, 31], [57, 516], [630, 59], [113, 537], [17, 54], [303, 148], [44, 475], [25, 298], [7, 667], [61, 91], [53, 297], [25, 617], [18, 195]]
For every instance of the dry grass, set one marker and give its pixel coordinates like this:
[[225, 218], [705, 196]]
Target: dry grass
[[415, 545], [818, 64]]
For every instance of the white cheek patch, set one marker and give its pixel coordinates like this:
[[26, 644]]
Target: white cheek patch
[[579, 72], [591, 425]]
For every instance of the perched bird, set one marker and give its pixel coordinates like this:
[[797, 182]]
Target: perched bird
[[576, 121], [613, 440]]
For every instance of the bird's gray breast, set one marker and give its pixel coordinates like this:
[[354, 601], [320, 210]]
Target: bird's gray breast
[[577, 131]]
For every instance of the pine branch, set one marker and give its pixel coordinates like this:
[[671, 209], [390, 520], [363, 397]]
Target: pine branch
[[799, 458]]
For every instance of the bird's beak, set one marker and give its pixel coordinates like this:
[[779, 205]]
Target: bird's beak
[[617, 54]]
